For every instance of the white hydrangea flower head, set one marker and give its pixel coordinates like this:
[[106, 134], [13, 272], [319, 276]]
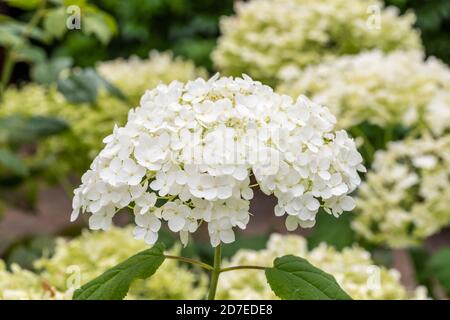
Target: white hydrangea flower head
[[397, 88], [266, 37], [192, 153], [406, 196], [353, 268]]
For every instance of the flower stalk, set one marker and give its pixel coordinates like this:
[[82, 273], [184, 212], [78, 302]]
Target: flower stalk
[[215, 273]]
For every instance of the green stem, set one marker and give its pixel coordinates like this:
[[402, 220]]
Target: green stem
[[190, 261], [215, 273], [242, 267]]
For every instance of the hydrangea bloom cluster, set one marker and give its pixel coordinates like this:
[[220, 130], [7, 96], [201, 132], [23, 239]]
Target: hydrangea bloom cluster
[[21, 284], [383, 89], [74, 150], [267, 36], [352, 268], [135, 75], [406, 197], [93, 253], [200, 147]]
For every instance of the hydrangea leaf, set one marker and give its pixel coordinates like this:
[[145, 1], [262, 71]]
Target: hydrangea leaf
[[294, 278], [55, 22], [115, 283], [12, 163], [18, 130], [100, 24], [82, 87], [29, 54], [42, 126]]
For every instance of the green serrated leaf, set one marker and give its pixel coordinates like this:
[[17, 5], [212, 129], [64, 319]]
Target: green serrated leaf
[[294, 278], [439, 267], [115, 283], [12, 163]]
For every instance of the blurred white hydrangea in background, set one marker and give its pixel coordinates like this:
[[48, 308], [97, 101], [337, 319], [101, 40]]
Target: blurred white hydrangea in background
[[83, 258], [406, 196], [352, 268], [382, 89], [22, 284], [199, 146], [135, 75], [93, 253], [267, 36]]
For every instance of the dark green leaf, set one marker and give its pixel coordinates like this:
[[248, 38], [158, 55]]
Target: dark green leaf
[[294, 278], [80, 86], [12, 163], [46, 126], [115, 283], [19, 130]]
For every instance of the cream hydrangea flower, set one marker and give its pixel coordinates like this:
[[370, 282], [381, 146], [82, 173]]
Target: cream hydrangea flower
[[352, 268], [135, 75], [199, 145], [93, 253], [268, 36], [21, 284], [406, 197], [383, 89], [83, 258]]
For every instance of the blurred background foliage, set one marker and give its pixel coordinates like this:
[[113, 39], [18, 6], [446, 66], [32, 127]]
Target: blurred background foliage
[[433, 20], [188, 28]]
